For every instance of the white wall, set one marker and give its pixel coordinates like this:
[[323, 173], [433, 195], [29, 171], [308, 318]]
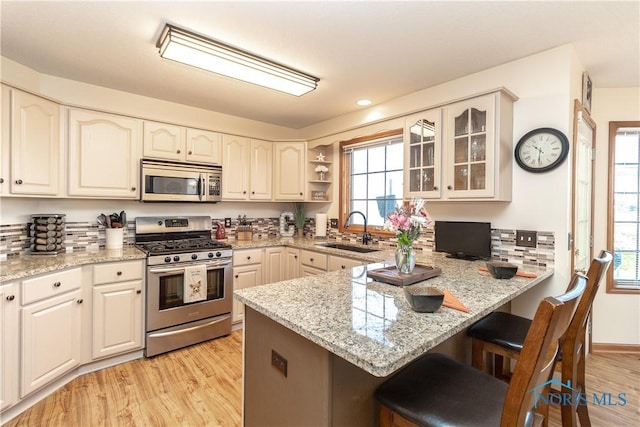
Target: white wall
[[616, 317]]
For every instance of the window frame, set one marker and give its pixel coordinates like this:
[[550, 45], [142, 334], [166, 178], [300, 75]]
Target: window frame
[[343, 204], [612, 287]]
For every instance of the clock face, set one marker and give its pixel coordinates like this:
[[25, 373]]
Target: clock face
[[541, 150]]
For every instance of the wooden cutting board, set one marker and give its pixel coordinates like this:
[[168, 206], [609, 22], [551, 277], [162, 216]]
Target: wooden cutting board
[[391, 275]]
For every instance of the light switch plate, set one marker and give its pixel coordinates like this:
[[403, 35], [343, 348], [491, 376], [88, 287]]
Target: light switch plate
[[334, 222], [527, 239]]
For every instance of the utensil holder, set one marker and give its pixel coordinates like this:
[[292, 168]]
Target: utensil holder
[[115, 238]]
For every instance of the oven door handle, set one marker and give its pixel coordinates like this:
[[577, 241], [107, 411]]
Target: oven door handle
[[173, 269]]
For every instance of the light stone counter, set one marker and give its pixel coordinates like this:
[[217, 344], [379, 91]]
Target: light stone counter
[[370, 324], [19, 267]]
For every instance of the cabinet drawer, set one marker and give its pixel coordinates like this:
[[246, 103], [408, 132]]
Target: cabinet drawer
[[246, 257], [50, 285], [313, 259], [117, 272]]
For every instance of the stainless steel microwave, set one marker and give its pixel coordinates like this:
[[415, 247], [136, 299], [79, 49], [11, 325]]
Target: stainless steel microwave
[[179, 182]]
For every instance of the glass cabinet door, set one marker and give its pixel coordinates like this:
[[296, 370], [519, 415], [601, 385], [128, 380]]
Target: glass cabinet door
[[422, 154], [470, 159]]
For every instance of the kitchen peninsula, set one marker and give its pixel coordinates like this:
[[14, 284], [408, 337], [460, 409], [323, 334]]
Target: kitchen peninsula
[[315, 348]]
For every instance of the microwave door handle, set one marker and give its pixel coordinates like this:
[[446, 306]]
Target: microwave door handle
[[202, 188]]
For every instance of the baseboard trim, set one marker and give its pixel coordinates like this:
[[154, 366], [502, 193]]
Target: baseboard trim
[[615, 348]]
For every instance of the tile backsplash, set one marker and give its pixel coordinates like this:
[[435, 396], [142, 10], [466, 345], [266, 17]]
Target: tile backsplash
[[79, 236]]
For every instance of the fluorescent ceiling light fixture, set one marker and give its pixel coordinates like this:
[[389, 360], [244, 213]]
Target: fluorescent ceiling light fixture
[[364, 102], [198, 51]]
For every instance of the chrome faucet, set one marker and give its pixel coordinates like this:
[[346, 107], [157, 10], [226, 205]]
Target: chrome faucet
[[366, 237]]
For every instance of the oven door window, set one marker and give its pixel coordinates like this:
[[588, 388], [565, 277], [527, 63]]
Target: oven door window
[[172, 288], [156, 184]]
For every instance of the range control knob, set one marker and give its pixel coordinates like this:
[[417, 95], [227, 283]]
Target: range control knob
[[218, 254], [167, 259], [176, 258], [194, 256], [210, 254]]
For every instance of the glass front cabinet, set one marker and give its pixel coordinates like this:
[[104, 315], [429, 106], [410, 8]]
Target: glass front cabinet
[[461, 151]]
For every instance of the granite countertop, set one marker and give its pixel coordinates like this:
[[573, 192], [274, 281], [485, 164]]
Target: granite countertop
[[19, 267], [370, 324]]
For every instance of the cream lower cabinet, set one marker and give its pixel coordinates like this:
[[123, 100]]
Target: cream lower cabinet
[[292, 263], [289, 170], [104, 154], [312, 263], [341, 263], [118, 303], [274, 265], [51, 333], [247, 272], [9, 351]]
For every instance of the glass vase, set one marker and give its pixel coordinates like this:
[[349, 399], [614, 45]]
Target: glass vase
[[405, 259]]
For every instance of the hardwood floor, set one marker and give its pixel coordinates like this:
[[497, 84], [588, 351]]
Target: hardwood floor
[[201, 386]]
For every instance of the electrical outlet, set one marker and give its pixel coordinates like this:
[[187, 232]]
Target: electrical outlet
[[279, 362], [527, 239], [227, 222], [334, 222]]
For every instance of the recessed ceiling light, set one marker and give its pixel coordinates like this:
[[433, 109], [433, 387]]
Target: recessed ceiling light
[[364, 102]]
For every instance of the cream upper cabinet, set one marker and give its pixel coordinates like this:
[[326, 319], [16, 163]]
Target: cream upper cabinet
[[9, 349], [423, 155], [246, 168], [104, 154], [289, 170], [164, 141], [261, 176], [35, 146], [478, 148], [177, 143]]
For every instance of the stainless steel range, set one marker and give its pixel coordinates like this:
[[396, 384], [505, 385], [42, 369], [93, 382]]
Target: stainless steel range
[[189, 283]]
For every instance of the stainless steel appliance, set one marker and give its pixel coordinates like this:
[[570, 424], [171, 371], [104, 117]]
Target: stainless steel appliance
[[179, 182], [175, 246]]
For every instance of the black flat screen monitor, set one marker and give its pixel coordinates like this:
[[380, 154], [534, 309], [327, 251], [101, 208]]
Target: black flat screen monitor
[[465, 240]]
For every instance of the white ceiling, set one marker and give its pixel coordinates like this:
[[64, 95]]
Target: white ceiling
[[359, 49]]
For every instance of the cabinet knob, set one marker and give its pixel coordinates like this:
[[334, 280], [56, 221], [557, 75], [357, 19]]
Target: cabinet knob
[[139, 291], [80, 301], [18, 181], [343, 267], [119, 273], [449, 187], [133, 188], [244, 192], [11, 297], [311, 259], [177, 151], [253, 192], [435, 187], [295, 256], [236, 276], [301, 193], [190, 152], [249, 257], [57, 284], [1, 180]]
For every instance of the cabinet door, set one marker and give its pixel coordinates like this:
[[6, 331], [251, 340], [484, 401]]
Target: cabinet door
[[423, 154], [292, 264], [274, 265], [5, 134], [244, 277], [51, 331], [261, 170], [470, 147], [204, 146], [289, 167], [164, 141], [235, 167], [9, 327], [35, 145], [117, 318], [104, 154]]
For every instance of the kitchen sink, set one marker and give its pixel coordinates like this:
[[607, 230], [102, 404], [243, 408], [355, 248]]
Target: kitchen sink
[[345, 247]]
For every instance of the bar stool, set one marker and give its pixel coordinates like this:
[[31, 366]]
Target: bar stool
[[503, 335], [439, 391]]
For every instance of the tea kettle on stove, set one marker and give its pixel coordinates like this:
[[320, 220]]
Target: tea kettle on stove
[[220, 231]]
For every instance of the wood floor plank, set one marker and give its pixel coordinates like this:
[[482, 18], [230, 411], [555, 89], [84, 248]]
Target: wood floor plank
[[202, 385]]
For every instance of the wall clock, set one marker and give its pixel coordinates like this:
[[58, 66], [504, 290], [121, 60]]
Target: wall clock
[[541, 150]]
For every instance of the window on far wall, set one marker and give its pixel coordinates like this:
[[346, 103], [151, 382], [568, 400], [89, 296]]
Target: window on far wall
[[371, 179], [624, 197]]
